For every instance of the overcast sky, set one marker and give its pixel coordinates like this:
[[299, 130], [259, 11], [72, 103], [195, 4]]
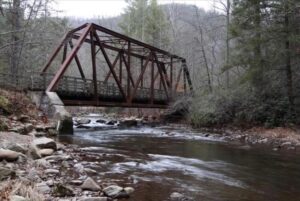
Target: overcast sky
[[110, 8]]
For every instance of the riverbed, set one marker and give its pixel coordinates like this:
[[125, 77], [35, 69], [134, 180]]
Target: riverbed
[[158, 161]]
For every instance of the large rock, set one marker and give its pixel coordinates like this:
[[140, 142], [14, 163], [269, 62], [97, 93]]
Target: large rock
[[6, 173], [45, 143], [113, 191], [90, 184], [8, 155], [128, 122], [82, 121], [15, 147]]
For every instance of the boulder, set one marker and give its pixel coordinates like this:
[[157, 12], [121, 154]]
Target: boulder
[[128, 122], [102, 121], [90, 184], [15, 147], [82, 121], [45, 143], [113, 191], [8, 155], [6, 173]]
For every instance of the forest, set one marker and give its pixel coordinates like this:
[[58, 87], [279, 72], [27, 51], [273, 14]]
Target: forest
[[242, 54]]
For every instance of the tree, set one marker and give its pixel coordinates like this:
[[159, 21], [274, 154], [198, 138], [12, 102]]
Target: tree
[[145, 21]]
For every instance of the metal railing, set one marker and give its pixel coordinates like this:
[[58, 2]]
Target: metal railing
[[74, 85]]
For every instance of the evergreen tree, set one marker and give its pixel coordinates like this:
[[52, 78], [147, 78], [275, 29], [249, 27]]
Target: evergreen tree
[[145, 21]]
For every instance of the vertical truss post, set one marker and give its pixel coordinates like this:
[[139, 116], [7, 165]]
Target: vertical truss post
[[64, 52], [128, 73], [93, 52], [171, 76], [142, 81], [152, 82], [120, 68], [184, 82]]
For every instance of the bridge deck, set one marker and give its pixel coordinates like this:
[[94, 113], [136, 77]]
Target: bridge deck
[[76, 91]]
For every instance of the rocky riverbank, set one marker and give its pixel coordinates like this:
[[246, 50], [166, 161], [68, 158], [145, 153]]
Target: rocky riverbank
[[275, 139]]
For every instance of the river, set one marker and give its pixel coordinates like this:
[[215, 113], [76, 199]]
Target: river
[[162, 160]]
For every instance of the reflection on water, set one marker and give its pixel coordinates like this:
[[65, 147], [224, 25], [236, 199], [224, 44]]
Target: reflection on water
[[201, 168]]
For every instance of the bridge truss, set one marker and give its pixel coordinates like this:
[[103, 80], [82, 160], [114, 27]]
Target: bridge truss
[[139, 75]]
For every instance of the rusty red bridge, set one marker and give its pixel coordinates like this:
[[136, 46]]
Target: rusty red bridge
[[95, 66]]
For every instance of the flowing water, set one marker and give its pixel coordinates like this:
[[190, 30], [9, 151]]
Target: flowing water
[[159, 161]]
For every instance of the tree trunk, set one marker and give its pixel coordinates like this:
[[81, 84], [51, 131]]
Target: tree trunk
[[16, 25], [288, 66]]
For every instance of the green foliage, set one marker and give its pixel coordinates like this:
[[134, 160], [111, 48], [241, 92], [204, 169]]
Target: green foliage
[[239, 107], [5, 106], [145, 20]]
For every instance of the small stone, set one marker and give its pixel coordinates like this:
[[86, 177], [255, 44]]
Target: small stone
[[24, 118], [65, 164], [52, 132], [286, 144], [42, 187], [61, 190], [34, 152], [50, 182], [94, 199], [76, 182], [90, 184], [175, 196], [46, 152], [52, 171], [39, 134], [40, 128], [112, 191], [6, 173], [33, 175], [79, 168], [89, 170], [129, 190], [18, 198]]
